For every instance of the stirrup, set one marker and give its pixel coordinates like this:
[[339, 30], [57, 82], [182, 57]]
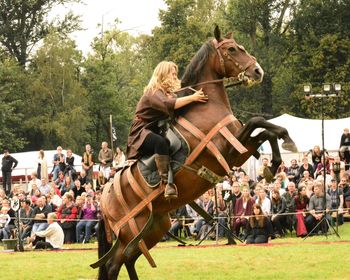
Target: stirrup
[[170, 196]]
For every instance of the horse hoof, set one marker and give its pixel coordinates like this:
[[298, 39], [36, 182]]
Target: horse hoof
[[290, 146]]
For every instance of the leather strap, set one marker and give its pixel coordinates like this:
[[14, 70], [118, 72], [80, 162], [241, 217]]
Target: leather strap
[[206, 140]]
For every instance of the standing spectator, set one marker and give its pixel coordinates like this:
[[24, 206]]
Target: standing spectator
[[301, 204], [105, 156], [26, 214], [337, 200], [119, 159], [88, 163], [232, 199], [306, 166], [8, 163], [344, 143], [42, 166], [89, 211], [69, 168], [259, 228], [66, 214], [278, 207], [57, 162]]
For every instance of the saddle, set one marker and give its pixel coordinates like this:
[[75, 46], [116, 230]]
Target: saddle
[[178, 152]]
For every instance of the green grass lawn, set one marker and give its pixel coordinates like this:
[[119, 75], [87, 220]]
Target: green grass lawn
[[289, 258]]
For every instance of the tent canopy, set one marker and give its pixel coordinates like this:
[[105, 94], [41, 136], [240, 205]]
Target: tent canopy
[[307, 133]]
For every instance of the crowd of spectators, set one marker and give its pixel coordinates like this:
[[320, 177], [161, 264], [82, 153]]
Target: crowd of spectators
[[61, 198], [256, 210]]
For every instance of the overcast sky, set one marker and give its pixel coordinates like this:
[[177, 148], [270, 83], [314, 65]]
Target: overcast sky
[[136, 16]]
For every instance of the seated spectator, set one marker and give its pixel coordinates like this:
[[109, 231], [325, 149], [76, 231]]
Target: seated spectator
[[5, 219], [11, 212], [60, 181], [15, 191], [306, 166], [66, 215], [50, 238], [26, 214], [207, 204], [278, 207], [34, 180], [233, 196], [264, 171], [221, 211], [306, 176], [321, 178], [85, 225], [318, 209], [346, 192], [337, 201], [67, 186], [282, 168], [243, 208], [282, 178], [77, 189], [259, 228], [40, 215], [293, 171], [69, 166], [344, 143], [337, 169], [44, 188], [316, 156], [301, 204], [89, 189], [290, 205], [264, 202], [180, 217], [101, 180], [82, 177], [320, 167]]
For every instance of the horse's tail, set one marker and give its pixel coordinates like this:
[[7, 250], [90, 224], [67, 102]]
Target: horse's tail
[[103, 247]]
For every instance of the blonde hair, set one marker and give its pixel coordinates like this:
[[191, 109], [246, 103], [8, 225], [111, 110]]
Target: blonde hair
[[162, 78]]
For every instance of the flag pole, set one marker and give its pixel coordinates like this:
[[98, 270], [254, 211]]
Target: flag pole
[[111, 132]]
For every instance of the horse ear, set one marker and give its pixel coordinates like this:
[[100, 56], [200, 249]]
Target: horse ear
[[228, 35], [217, 33]]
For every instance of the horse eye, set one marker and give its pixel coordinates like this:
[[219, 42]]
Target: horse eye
[[231, 49]]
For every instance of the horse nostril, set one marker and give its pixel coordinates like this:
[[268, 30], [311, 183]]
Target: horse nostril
[[257, 72]]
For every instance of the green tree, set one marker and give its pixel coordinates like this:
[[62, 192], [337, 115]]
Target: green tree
[[56, 110], [110, 79], [264, 28], [23, 23], [12, 85]]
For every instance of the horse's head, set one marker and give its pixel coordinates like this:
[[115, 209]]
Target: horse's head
[[235, 61]]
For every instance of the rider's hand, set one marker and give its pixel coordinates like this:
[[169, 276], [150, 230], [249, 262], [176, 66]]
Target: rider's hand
[[199, 96]]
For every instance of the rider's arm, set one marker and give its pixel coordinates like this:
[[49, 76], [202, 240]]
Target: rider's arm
[[198, 96]]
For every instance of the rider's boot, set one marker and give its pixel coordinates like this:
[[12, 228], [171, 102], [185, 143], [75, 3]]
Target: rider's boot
[[163, 164]]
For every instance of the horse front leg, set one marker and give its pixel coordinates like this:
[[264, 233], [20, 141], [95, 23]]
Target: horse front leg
[[281, 133]]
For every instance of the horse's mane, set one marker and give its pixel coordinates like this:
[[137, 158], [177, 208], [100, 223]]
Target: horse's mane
[[194, 70]]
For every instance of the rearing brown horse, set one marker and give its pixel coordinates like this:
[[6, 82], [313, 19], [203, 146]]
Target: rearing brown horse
[[136, 214]]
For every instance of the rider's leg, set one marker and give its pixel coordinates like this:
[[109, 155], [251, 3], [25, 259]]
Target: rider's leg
[[160, 148]]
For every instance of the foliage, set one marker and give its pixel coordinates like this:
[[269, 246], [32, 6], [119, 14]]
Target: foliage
[[57, 108], [23, 23], [12, 85]]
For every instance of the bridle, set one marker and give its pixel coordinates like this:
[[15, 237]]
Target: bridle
[[230, 81], [244, 68]]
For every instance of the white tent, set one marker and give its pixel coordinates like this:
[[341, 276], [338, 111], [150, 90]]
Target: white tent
[[307, 133]]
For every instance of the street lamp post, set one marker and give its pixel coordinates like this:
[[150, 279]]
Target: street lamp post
[[328, 90]]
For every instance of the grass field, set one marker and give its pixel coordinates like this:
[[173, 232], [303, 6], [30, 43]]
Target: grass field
[[288, 258]]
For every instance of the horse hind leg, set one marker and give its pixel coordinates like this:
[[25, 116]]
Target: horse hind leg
[[130, 266]]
